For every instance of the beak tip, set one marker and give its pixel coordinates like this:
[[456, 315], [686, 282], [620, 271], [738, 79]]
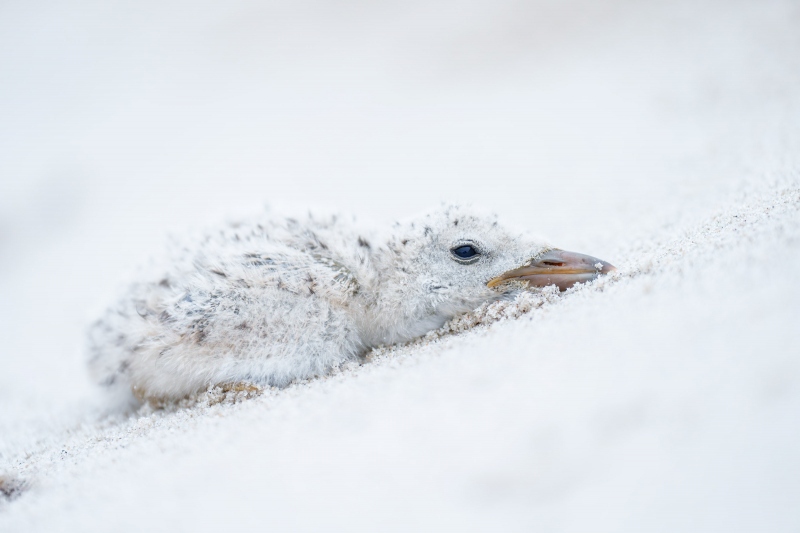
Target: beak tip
[[605, 268]]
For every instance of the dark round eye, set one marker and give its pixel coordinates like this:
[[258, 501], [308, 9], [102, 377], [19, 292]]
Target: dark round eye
[[466, 252]]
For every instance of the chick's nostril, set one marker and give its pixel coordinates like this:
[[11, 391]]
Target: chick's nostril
[[552, 263]]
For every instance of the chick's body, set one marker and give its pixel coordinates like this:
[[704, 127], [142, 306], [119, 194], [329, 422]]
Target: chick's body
[[267, 301]]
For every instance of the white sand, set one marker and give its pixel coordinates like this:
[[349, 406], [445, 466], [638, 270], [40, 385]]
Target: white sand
[[663, 138]]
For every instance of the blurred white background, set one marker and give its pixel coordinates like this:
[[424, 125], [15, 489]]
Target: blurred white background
[[593, 123], [587, 122]]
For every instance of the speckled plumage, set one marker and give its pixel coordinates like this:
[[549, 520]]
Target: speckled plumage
[[272, 299]]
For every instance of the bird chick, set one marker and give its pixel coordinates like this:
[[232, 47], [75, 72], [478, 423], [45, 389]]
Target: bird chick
[[273, 300]]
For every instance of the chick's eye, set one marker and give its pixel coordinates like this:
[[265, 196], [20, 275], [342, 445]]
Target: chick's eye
[[465, 252]]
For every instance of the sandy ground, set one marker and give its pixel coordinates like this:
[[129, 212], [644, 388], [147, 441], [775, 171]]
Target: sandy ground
[[663, 137]]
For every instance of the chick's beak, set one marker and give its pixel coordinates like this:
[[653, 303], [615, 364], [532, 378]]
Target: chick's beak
[[556, 267]]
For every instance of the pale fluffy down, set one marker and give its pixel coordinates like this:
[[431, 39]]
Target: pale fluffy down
[[274, 299]]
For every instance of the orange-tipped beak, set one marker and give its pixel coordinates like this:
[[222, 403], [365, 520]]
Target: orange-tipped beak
[[557, 267]]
